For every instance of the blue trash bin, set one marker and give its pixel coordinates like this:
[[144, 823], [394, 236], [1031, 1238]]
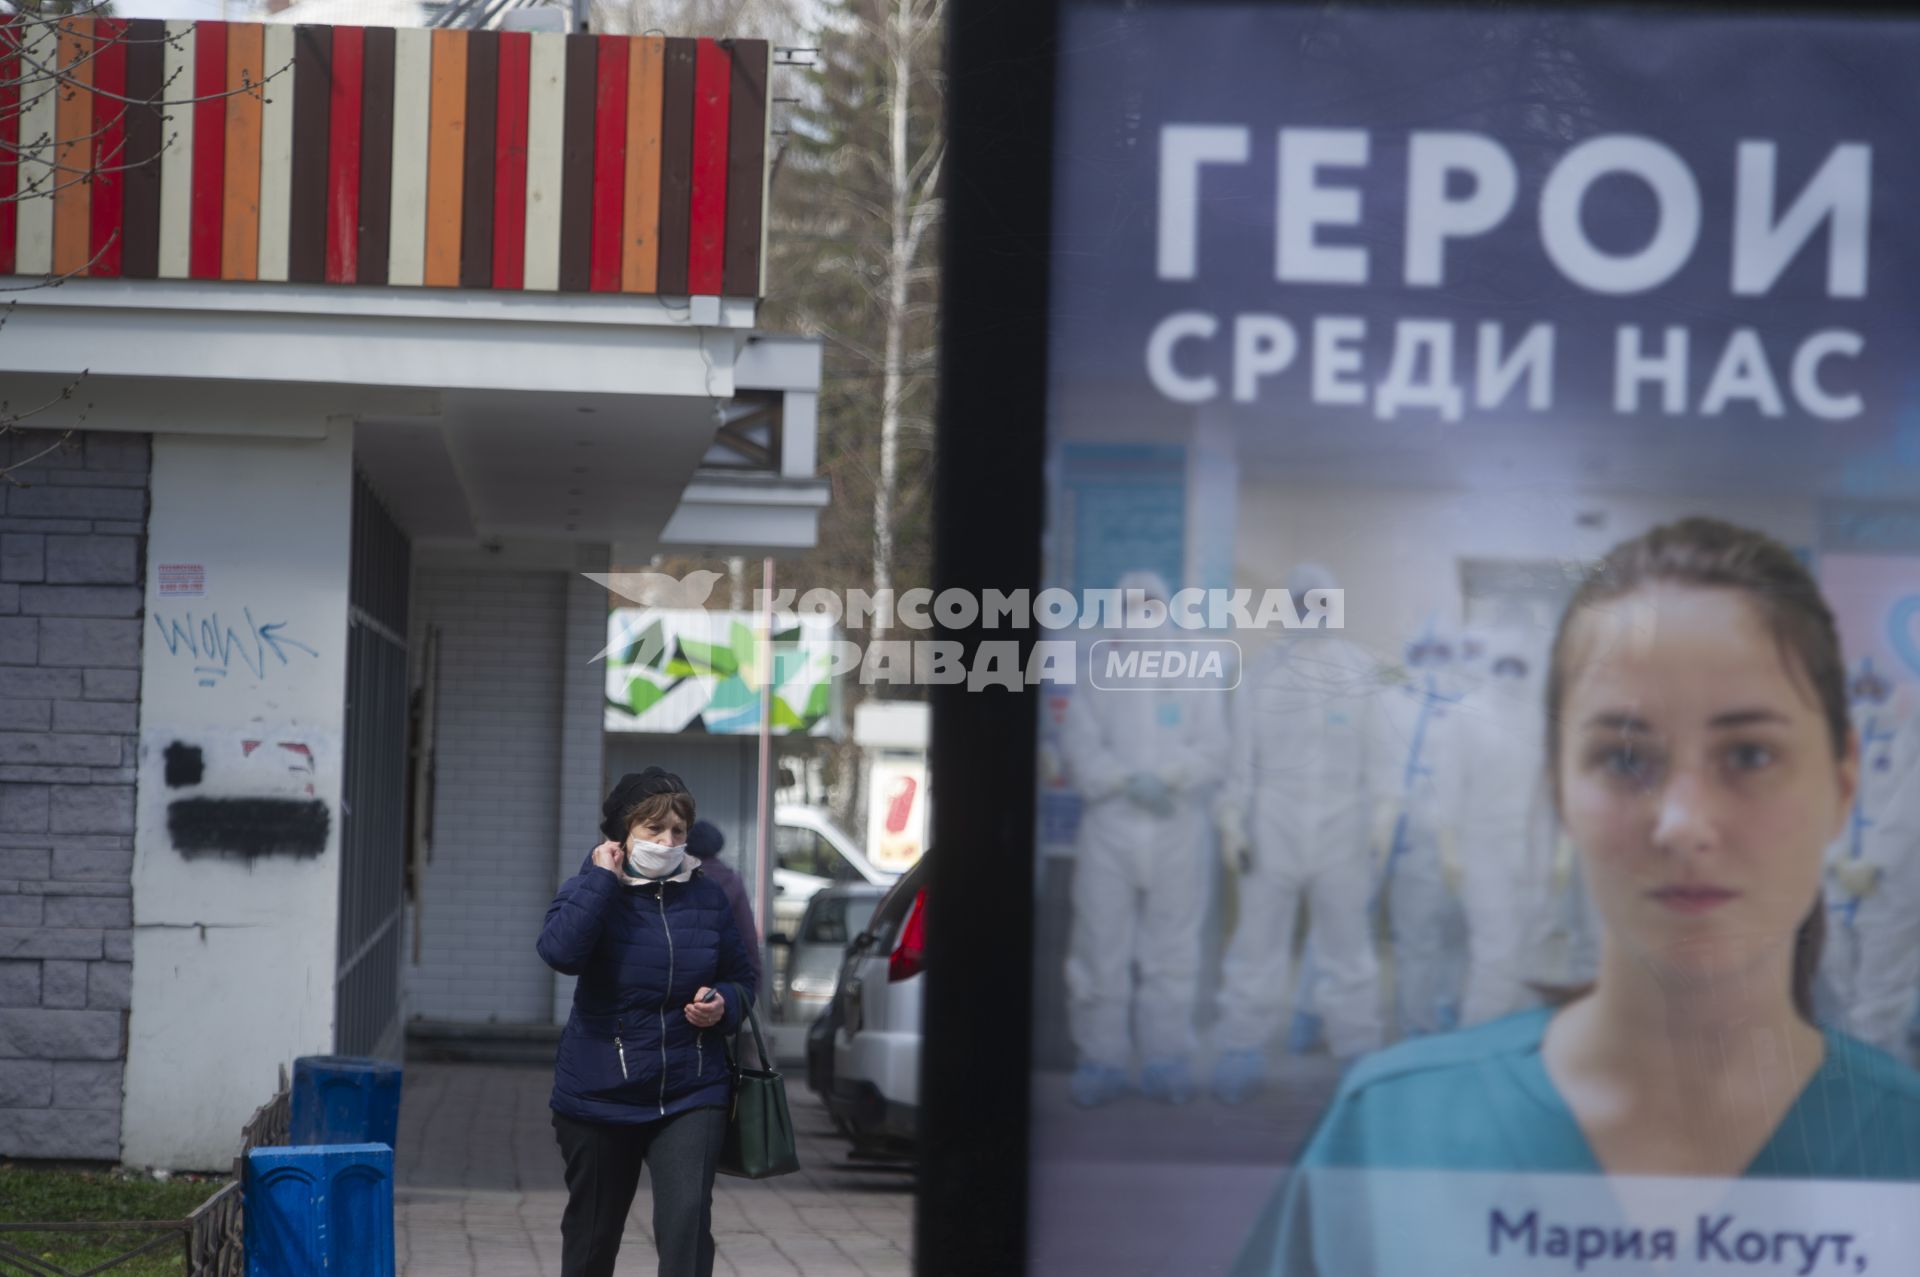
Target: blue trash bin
[[344, 1099], [320, 1211]]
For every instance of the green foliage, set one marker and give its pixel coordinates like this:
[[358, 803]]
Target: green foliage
[[47, 1196], [72, 1196]]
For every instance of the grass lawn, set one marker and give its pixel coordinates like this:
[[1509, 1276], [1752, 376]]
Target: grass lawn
[[77, 1196]]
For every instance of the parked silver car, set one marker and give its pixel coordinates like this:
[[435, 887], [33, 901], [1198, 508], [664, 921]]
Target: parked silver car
[[804, 984], [864, 1058]]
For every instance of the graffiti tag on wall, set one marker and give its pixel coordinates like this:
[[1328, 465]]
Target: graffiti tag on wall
[[252, 824], [214, 646], [248, 827]]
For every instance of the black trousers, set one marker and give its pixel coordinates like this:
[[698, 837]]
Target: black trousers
[[603, 1173]]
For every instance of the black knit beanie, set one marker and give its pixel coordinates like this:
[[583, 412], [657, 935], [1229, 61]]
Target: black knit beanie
[[705, 840], [633, 789]]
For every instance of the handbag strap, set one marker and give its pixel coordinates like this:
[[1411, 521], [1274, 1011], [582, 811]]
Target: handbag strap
[[759, 1043]]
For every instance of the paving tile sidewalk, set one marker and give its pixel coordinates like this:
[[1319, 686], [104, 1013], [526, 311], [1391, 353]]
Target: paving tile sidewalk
[[479, 1191]]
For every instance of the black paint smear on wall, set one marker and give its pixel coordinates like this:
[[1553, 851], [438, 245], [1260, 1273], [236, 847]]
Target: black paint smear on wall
[[248, 827], [185, 765]]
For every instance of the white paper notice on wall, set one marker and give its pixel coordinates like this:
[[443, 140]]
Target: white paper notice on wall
[[182, 580]]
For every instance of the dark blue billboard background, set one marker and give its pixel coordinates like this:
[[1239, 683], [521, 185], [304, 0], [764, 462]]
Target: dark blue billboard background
[[1536, 87]]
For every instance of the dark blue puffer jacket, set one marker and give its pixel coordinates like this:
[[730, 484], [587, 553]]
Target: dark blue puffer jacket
[[628, 1053]]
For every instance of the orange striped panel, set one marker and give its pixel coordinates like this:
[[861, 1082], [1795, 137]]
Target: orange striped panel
[[73, 150], [640, 239], [240, 207], [446, 156]]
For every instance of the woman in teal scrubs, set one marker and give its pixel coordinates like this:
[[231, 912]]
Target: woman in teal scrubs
[[1701, 759]]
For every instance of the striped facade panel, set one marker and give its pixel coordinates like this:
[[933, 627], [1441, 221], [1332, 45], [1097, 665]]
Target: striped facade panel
[[676, 164], [276, 151], [246, 103], [515, 161], [476, 192], [178, 121], [376, 156], [446, 158], [9, 137], [107, 209], [206, 216], [412, 117], [640, 231], [609, 164], [307, 176], [546, 128], [72, 149], [140, 207], [707, 218], [746, 166], [342, 265], [576, 175], [33, 234], [508, 267]]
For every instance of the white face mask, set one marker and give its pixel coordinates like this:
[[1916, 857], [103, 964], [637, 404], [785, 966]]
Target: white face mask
[[653, 860]]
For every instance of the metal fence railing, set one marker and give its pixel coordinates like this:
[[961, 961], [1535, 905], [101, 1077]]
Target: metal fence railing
[[212, 1239], [373, 825], [13, 1259]]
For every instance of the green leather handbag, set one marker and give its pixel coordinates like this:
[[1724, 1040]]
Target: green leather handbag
[[759, 1142]]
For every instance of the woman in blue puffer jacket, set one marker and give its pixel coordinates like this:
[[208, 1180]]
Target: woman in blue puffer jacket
[[642, 1076]]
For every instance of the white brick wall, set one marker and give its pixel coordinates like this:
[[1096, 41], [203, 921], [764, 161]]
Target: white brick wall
[[583, 738], [496, 794]]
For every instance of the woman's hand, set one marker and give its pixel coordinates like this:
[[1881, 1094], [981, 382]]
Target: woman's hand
[[608, 855], [706, 1014]]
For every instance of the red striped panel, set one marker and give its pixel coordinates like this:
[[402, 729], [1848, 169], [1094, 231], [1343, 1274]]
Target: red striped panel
[[609, 164], [510, 161], [9, 137], [576, 171], [209, 207], [343, 155], [110, 141], [707, 238]]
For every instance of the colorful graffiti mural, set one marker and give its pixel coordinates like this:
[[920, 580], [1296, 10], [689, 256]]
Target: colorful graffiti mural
[[692, 670]]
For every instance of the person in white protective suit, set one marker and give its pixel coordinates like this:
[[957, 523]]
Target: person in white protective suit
[[1143, 759], [1415, 770], [1503, 834], [1871, 962], [1472, 656], [1293, 824]]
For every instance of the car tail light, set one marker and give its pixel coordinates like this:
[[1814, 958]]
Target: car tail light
[[909, 956]]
